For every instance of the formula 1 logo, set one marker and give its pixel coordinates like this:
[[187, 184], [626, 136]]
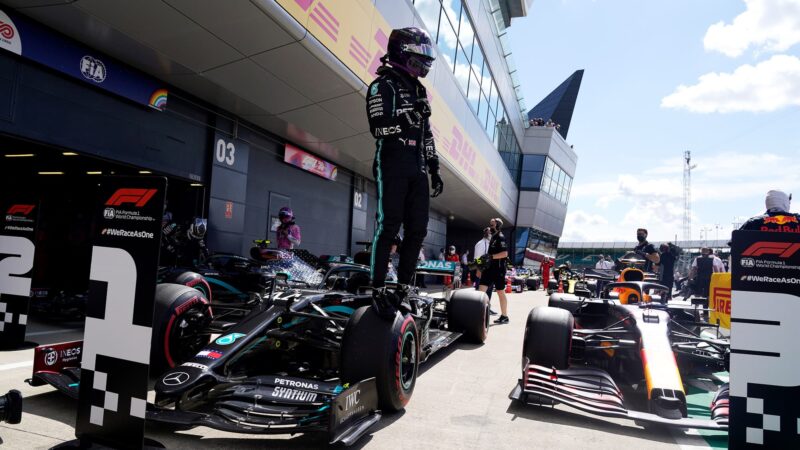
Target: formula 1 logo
[[20, 209], [781, 249], [139, 197]]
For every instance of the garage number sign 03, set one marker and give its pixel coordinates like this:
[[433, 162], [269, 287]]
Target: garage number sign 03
[[225, 152], [119, 313]]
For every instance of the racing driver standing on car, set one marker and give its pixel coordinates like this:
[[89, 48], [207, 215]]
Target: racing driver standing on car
[[398, 113]]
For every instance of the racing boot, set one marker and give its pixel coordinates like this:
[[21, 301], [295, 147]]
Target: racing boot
[[402, 293], [385, 303]]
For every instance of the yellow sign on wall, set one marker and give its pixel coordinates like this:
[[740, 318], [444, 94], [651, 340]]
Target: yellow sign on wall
[[719, 299], [357, 34]]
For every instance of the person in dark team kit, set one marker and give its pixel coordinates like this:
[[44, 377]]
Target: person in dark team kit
[[777, 218], [495, 273], [646, 250], [398, 113]]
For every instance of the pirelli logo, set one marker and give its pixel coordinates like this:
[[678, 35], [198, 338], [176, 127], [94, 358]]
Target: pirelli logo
[[139, 197], [780, 249]]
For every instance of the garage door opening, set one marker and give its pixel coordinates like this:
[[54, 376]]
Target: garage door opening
[[64, 184]]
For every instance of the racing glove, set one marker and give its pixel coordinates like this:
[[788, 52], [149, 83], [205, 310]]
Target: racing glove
[[437, 185], [422, 107]]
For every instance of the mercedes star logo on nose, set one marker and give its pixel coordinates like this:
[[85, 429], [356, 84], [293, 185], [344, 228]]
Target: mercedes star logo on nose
[[175, 378]]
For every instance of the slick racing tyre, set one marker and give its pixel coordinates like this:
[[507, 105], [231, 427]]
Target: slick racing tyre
[[384, 349], [195, 280], [532, 284], [548, 337], [180, 318], [468, 313]]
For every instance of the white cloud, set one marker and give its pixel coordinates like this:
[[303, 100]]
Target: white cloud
[[769, 25], [654, 199], [768, 86]]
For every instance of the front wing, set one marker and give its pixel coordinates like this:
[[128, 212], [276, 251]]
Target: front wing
[[592, 391], [345, 417]]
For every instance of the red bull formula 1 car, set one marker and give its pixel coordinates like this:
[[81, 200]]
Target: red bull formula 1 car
[[311, 356], [628, 347]]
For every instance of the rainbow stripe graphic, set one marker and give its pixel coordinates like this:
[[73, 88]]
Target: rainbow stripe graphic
[[158, 99]]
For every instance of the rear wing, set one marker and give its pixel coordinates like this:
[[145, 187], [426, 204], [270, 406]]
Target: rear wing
[[439, 268]]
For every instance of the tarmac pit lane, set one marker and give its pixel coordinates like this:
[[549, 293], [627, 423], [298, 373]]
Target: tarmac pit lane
[[460, 402]]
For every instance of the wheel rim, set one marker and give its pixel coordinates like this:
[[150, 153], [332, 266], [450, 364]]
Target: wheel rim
[[408, 360], [185, 339]]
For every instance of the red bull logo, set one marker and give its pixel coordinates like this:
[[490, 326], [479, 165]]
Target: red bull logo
[[780, 220]]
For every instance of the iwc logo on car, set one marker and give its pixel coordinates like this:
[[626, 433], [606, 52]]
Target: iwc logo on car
[[93, 69]]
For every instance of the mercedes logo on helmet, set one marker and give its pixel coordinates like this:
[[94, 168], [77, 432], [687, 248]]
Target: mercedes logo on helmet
[[175, 378]]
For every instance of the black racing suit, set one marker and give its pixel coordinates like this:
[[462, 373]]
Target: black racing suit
[[778, 221], [398, 111]]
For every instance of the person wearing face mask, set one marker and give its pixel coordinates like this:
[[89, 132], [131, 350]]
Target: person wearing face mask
[[495, 274], [777, 218], [646, 250]]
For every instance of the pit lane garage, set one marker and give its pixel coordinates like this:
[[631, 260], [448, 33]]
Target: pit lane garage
[[62, 183]]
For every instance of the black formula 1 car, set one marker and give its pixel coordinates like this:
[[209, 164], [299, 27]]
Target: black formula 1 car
[[629, 346], [312, 355]]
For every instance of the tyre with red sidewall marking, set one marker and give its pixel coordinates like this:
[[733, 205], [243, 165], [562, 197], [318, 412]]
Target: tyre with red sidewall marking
[[180, 317], [195, 280], [385, 349]]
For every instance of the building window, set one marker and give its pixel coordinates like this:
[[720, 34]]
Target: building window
[[450, 26], [540, 173]]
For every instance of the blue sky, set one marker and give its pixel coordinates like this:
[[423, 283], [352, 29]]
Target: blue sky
[[718, 77]]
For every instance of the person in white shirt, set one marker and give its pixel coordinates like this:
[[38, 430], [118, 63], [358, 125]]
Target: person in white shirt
[[604, 263], [481, 248]]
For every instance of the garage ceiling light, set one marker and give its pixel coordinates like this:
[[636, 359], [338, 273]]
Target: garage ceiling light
[[94, 172], [69, 154], [19, 155], [51, 173], [196, 184], [144, 172]]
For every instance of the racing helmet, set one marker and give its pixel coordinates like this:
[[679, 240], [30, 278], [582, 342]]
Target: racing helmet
[[197, 230], [411, 50]]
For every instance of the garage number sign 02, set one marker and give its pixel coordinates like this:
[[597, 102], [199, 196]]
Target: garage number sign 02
[[17, 231]]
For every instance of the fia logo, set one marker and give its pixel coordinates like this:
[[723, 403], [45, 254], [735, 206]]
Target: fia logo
[[93, 69], [108, 213], [748, 262]]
